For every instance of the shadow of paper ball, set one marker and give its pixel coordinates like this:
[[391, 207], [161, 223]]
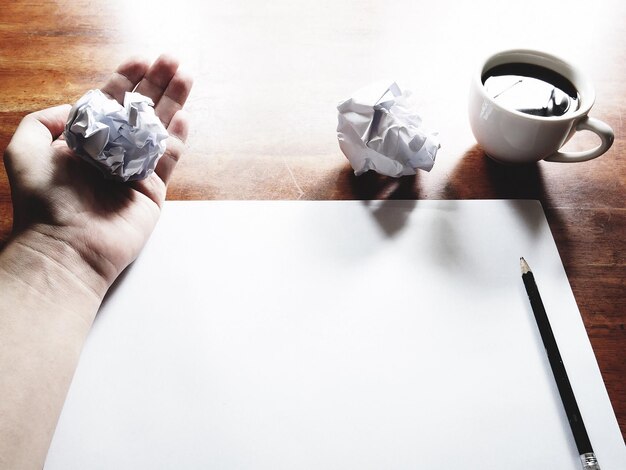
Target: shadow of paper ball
[[373, 186]]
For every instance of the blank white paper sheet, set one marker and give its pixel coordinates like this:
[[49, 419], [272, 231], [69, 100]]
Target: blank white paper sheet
[[335, 335]]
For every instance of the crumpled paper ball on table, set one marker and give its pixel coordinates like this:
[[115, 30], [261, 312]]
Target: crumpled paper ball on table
[[123, 142], [379, 130]]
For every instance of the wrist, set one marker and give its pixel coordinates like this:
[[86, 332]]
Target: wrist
[[53, 270], [48, 300]]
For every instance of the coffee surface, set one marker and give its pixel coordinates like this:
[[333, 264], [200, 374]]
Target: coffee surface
[[531, 89]]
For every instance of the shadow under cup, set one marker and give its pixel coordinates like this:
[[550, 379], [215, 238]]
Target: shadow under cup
[[512, 135]]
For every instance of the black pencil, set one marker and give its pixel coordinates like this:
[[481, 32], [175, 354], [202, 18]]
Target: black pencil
[[583, 444]]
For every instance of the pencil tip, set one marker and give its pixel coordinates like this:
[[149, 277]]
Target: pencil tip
[[524, 265]]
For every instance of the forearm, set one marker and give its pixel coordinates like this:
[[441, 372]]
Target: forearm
[[48, 299]]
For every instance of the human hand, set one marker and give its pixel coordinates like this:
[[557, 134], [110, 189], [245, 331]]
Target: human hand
[[60, 199], [74, 232]]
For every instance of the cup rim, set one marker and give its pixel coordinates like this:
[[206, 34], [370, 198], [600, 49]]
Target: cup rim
[[579, 77]]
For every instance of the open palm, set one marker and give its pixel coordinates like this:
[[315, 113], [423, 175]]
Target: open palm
[[58, 195]]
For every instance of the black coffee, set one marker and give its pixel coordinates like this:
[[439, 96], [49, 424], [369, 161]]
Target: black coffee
[[531, 89]]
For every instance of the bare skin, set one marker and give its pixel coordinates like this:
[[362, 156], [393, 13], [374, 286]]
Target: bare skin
[[73, 234]]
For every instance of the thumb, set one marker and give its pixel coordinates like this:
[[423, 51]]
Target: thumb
[[46, 124], [35, 134]]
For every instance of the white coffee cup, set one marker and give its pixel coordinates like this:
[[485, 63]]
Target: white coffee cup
[[512, 136]]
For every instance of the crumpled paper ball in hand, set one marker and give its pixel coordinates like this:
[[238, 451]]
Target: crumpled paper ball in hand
[[380, 130], [123, 142]]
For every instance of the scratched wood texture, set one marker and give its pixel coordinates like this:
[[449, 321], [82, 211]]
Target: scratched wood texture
[[268, 76]]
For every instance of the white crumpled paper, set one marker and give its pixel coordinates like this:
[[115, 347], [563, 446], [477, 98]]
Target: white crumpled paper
[[380, 130], [123, 142]]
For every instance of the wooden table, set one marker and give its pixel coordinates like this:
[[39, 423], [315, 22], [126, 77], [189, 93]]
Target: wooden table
[[268, 76]]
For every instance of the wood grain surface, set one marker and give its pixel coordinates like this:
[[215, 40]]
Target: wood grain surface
[[268, 76]]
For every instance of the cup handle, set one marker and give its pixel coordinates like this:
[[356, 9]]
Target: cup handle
[[601, 129]]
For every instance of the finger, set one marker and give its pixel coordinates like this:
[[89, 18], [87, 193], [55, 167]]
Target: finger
[[158, 77], [174, 97], [175, 146], [152, 187], [125, 78]]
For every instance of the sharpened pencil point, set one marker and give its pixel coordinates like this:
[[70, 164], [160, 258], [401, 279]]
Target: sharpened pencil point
[[524, 265]]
